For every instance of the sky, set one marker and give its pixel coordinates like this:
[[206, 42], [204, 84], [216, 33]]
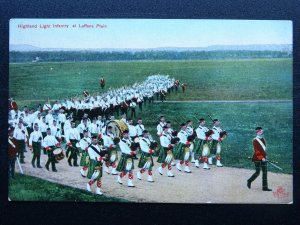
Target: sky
[[148, 33]]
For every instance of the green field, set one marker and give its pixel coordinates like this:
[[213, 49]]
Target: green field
[[206, 80], [28, 188]]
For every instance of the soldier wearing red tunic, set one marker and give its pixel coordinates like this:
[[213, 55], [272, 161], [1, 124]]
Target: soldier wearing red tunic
[[12, 152], [260, 160]]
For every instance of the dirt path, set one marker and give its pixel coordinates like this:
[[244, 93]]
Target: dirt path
[[218, 185]]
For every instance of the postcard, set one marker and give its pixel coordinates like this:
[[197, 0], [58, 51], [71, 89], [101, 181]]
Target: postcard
[[151, 110]]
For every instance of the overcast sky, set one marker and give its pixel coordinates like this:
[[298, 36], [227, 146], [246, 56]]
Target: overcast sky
[[149, 33]]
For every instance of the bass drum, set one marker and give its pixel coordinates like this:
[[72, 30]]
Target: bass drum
[[118, 126]]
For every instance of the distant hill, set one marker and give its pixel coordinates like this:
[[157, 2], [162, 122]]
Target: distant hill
[[262, 47]]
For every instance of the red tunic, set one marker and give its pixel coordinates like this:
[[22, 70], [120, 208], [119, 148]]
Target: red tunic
[[259, 152], [12, 151]]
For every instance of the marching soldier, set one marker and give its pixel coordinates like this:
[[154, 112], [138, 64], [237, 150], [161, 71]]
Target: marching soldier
[[12, 153], [93, 128], [260, 159], [182, 150], [132, 107], [56, 131], [82, 126], [95, 166], [216, 143], [50, 143], [102, 83], [84, 144], [72, 138], [146, 160], [35, 141], [166, 155], [190, 132], [201, 145], [140, 127], [21, 135], [132, 129], [160, 125], [108, 142], [61, 120], [126, 162], [183, 86]]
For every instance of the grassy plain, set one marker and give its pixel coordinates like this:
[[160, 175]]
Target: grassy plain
[[32, 83]]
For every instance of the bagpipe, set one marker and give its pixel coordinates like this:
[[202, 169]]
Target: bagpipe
[[116, 140], [208, 133]]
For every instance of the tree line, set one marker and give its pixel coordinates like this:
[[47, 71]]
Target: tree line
[[67, 56]]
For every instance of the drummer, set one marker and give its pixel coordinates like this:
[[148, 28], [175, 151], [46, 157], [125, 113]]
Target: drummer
[[50, 143], [108, 142]]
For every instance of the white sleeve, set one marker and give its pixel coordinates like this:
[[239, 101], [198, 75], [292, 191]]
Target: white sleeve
[[182, 138], [164, 141], [200, 134], [124, 148], [144, 146]]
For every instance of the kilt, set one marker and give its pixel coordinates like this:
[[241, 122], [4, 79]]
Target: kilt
[[85, 158], [145, 157], [162, 155], [213, 146], [123, 161], [112, 151], [93, 165], [198, 146]]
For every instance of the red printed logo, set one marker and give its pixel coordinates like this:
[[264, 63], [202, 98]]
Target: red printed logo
[[280, 193]]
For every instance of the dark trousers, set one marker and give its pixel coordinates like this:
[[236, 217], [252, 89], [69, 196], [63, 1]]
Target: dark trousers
[[73, 153], [260, 165], [21, 144], [51, 159], [141, 106], [36, 146], [11, 167], [133, 113]]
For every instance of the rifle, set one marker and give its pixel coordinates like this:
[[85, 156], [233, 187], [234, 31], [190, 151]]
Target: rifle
[[20, 167]]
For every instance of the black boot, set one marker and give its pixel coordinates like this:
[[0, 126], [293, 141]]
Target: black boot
[[38, 162], [249, 184], [69, 161], [267, 189], [47, 166]]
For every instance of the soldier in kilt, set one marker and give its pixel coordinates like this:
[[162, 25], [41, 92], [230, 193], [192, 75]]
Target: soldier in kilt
[[84, 144], [182, 150], [166, 154], [216, 143], [94, 166], [126, 164], [108, 142], [146, 160], [72, 138], [201, 147], [35, 141], [260, 159]]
